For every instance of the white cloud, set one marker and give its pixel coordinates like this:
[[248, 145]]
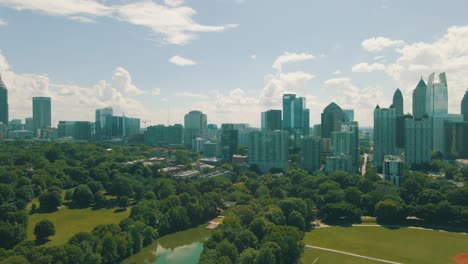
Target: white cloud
[[181, 61], [171, 21], [366, 67], [253, 56], [276, 85], [291, 57], [347, 95], [190, 94], [379, 58], [156, 91], [3, 22], [448, 53], [69, 101], [82, 19], [377, 44], [337, 72]]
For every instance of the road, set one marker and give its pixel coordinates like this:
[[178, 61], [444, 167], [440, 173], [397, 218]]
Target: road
[[363, 169], [351, 254]]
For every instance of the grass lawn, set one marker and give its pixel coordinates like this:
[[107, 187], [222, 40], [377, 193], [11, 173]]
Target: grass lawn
[[404, 245], [71, 221], [324, 257]]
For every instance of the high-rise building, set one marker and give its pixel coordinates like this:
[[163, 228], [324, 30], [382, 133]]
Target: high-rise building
[[400, 131], [418, 141], [3, 103], [349, 115], [341, 162], [15, 124], [213, 132], [438, 130], [464, 106], [419, 100], [311, 153], [384, 134], [211, 149], [41, 113], [397, 102], [269, 149], [164, 135], [332, 118], [121, 127], [295, 115], [100, 121], [271, 120], [82, 130], [65, 129], [28, 124], [353, 128], [345, 143], [229, 141], [456, 140], [437, 95], [317, 130], [195, 126], [393, 169]]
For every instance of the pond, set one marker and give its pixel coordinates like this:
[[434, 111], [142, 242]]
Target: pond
[[182, 247]]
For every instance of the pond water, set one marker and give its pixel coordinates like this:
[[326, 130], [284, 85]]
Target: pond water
[[182, 247]]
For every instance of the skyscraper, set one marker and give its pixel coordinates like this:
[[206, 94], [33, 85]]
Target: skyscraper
[[384, 134], [332, 118], [229, 141], [418, 141], [41, 113], [295, 114], [311, 153], [393, 169], [464, 106], [437, 95], [269, 149], [345, 143], [195, 126], [100, 121], [349, 115], [456, 136], [397, 102], [438, 130], [271, 120], [3, 103], [419, 100]]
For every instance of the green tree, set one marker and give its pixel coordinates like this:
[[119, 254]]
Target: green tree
[[248, 256], [82, 196], [43, 230], [297, 220], [245, 239], [50, 200], [389, 211], [226, 248]]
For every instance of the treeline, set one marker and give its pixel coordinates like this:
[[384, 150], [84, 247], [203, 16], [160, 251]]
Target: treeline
[[95, 176]]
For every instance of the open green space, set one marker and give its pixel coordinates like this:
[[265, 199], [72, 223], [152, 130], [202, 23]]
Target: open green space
[[406, 245], [323, 257], [71, 221]]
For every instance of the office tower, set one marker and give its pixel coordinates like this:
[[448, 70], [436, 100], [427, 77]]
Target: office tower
[[82, 130], [271, 120], [3, 103], [210, 149], [212, 132], [131, 126], [384, 134], [164, 135], [295, 114], [41, 113], [317, 130], [65, 129], [311, 153], [243, 137], [341, 162], [419, 100], [353, 128], [229, 141], [437, 95], [456, 138], [269, 149], [100, 121], [397, 102], [15, 124], [400, 131], [418, 141], [121, 127], [349, 115], [438, 130], [345, 143], [393, 169], [332, 118], [195, 126], [464, 106], [28, 124]]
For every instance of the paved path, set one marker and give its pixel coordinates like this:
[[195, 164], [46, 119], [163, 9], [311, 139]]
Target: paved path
[[363, 169], [351, 254]]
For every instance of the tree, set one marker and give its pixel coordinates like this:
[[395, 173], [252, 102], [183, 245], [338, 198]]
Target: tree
[[341, 213], [124, 202], [353, 196], [297, 220], [245, 239], [50, 200], [226, 248], [288, 239], [82, 196], [389, 211], [43, 230], [265, 256]]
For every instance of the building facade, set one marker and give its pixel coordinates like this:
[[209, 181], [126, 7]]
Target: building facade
[[269, 149], [438, 130], [437, 95], [311, 153], [384, 134], [3, 103], [195, 126], [229, 141], [464, 106], [456, 140], [418, 141], [271, 120], [393, 169], [332, 118], [295, 115], [419, 100], [41, 113]]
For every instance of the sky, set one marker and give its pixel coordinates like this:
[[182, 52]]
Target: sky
[[230, 59]]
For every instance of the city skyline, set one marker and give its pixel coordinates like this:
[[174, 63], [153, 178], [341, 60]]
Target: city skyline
[[161, 75]]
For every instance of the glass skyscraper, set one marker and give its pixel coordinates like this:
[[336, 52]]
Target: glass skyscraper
[[437, 95], [295, 114], [3, 103], [464, 106], [41, 113], [100, 121], [332, 118], [397, 102], [384, 134], [195, 126], [419, 100]]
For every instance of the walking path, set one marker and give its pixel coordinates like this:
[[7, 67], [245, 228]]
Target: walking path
[[351, 254], [363, 169]]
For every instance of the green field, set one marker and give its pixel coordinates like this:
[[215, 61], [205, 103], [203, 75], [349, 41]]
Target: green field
[[406, 245], [71, 221]]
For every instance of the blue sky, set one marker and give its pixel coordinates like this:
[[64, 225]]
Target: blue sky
[[229, 58]]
